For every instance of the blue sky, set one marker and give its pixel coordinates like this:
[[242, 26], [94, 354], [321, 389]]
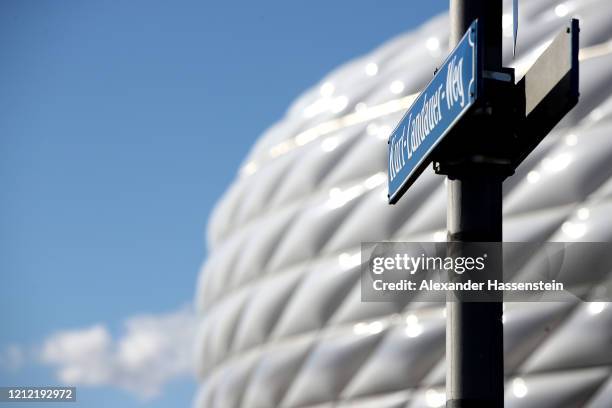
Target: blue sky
[[122, 123]]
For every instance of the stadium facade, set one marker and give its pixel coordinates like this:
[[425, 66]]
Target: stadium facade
[[281, 323]]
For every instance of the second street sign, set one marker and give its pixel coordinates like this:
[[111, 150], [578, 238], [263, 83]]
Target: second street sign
[[449, 95]]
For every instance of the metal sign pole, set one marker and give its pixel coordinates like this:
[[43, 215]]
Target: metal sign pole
[[476, 125], [474, 332]]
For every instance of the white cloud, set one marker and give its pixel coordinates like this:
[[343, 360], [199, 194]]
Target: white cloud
[[82, 356], [151, 351]]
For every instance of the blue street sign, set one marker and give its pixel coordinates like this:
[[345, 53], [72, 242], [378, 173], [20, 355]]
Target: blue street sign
[[452, 91]]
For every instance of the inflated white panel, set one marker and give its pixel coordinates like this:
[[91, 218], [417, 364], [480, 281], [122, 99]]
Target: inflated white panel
[[282, 323]]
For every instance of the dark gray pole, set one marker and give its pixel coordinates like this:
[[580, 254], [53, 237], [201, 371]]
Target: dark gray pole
[[489, 14], [474, 333]]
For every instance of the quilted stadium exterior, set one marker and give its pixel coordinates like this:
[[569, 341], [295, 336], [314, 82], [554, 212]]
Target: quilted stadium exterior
[[281, 321]]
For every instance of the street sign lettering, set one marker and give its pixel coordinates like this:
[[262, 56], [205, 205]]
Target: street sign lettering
[[453, 90]]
